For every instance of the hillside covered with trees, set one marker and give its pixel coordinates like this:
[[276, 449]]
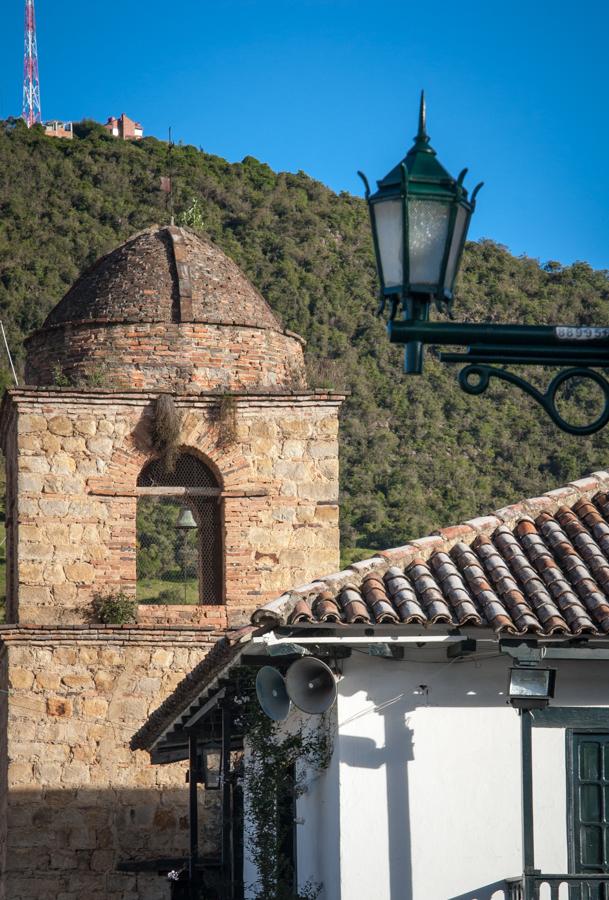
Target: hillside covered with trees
[[416, 452]]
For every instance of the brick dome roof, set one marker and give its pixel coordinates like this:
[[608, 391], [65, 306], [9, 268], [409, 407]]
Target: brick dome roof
[[164, 275], [169, 311]]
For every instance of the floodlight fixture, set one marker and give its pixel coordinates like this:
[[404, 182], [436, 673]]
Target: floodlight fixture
[[531, 687]]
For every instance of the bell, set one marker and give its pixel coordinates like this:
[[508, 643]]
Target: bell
[[186, 519]]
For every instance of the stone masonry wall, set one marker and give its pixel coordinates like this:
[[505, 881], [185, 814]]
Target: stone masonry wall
[[72, 496], [3, 767], [11, 514], [189, 358], [79, 800]]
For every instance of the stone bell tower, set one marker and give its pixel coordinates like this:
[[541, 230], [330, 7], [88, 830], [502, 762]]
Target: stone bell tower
[[255, 460]]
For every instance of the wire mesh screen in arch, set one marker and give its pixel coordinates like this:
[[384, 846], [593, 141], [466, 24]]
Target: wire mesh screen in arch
[[179, 534]]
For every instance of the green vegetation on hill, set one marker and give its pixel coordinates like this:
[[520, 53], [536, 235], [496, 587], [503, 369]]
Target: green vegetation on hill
[[416, 453]]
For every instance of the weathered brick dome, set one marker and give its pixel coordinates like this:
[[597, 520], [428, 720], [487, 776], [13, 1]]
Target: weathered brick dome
[[166, 310]]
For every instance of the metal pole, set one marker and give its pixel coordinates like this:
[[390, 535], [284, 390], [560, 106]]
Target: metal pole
[[193, 817], [528, 849], [417, 310], [170, 166], [184, 565], [227, 861]]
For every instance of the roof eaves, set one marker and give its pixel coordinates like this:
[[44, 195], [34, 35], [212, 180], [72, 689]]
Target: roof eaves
[[221, 657]]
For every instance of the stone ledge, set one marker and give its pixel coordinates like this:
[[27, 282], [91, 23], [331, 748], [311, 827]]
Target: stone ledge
[[177, 615], [125, 635], [76, 325], [65, 394]]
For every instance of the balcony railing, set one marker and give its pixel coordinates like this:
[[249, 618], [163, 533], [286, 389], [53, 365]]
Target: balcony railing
[[558, 887]]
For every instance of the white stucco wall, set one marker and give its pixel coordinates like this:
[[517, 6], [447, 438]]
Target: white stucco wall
[[422, 799]]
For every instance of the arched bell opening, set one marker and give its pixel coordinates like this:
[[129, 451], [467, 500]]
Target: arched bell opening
[[179, 533]]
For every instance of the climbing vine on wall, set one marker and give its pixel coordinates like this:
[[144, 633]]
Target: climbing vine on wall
[[279, 762]]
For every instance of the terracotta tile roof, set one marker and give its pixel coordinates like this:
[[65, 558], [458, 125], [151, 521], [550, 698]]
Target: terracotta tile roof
[[539, 567]]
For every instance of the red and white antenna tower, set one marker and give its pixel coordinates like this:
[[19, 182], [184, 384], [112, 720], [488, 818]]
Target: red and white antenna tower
[[31, 80]]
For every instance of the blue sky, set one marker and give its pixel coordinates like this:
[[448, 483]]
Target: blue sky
[[517, 91]]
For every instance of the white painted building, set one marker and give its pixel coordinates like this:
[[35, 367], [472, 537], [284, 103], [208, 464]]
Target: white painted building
[[426, 795], [422, 797]]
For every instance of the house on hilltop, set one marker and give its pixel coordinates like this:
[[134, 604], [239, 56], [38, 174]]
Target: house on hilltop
[[59, 129], [180, 395], [124, 128]]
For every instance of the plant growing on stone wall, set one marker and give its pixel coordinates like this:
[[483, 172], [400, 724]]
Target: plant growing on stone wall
[[275, 771], [60, 379], [114, 608], [193, 216], [165, 431], [94, 378], [227, 420]]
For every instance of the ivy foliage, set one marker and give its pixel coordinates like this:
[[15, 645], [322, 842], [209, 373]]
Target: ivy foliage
[[416, 453], [278, 762]]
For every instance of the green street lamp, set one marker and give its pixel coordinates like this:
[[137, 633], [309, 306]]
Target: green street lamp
[[420, 217]]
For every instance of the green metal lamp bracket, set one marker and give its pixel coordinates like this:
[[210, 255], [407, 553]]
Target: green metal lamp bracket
[[582, 349], [475, 378]]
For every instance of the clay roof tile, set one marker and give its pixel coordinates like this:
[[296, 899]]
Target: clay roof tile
[[545, 576]]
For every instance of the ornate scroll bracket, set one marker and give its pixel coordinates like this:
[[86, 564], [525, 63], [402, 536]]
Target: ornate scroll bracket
[[475, 379]]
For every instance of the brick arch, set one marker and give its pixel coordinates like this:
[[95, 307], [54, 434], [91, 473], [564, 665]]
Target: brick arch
[[209, 462], [191, 470], [202, 438]]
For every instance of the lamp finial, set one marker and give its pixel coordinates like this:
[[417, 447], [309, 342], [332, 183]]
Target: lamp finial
[[422, 135]]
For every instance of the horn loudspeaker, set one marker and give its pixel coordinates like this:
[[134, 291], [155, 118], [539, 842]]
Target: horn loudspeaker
[[311, 685], [272, 694]]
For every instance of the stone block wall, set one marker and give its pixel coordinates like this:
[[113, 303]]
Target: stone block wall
[[73, 459], [3, 767], [11, 512], [79, 800]]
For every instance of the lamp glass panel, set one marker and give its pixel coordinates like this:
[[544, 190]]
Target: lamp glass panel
[[529, 682], [212, 764], [461, 221], [427, 235], [389, 232]]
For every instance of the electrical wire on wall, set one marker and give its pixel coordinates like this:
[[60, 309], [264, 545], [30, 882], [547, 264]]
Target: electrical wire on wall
[[8, 353], [38, 706], [421, 689]]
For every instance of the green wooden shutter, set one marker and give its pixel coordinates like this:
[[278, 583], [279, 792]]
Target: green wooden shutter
[[590, 782]]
